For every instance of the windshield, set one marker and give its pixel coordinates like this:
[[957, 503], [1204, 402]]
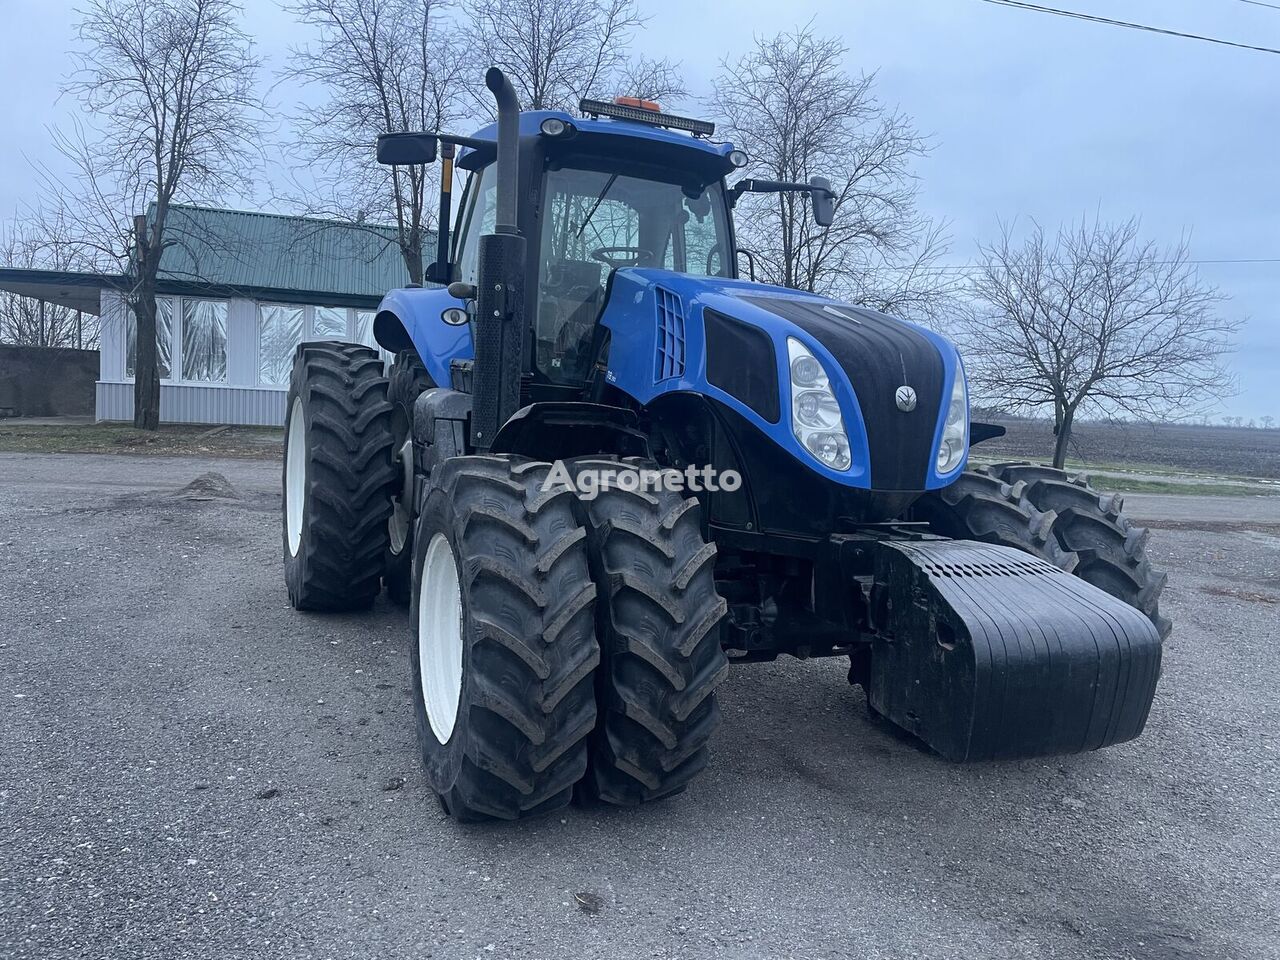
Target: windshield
[[597, 221]]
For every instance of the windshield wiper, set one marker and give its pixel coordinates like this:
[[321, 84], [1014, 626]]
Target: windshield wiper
[[596, 206]]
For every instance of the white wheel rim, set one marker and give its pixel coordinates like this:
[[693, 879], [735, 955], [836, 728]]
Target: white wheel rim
[[402, 506], [295, 477], [440, 637]]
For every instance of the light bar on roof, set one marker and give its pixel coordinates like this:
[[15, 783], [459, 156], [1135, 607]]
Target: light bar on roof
[[621, 111]]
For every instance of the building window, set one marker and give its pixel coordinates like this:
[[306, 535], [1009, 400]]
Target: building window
[[279, 333], [364, 327], [164, 337], [204, 341], [329, 323]]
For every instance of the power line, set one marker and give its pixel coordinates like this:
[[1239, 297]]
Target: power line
[[1259, 3], [1036, 8], [961, 267]]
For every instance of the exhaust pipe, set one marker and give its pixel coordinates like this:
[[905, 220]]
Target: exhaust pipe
[[500, 323], [508, 164]]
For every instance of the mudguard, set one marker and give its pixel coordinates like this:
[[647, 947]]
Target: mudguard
[[986, 652], [418, 311]]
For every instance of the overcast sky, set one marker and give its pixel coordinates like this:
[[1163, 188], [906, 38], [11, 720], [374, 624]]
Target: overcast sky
[[1032, 116]]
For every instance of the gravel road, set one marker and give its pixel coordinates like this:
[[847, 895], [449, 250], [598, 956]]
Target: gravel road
[[190, 769]]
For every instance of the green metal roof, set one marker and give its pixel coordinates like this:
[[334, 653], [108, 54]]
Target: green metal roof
[[272, 252]]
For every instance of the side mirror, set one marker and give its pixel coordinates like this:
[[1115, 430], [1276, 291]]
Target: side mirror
[[824, 201], [406, 149]]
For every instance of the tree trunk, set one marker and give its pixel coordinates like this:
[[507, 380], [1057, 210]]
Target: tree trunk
[[146, 373], [411, 250], [1064, 437]]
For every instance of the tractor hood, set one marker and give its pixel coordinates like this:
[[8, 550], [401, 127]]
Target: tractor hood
[[731, 340]]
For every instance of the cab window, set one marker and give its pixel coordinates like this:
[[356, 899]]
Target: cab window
[[479, 216], [595, 222]]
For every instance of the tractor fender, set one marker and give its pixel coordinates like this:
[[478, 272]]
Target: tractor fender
[[411, 317], [559, 430]]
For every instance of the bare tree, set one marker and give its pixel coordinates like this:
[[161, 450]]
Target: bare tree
[[42, 240], [649, 79], [1268, 422], [1095, 320], [168, 89], [387, 66], [558, 51], [794, 107]]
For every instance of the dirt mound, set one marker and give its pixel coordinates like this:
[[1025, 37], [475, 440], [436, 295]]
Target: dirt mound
[[208, 486]]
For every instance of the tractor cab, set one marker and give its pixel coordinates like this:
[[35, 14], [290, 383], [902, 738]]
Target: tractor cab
[[602, 204], [623, 186]]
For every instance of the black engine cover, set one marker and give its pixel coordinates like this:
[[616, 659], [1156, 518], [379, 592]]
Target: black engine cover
[[879, 354], [987, 653]]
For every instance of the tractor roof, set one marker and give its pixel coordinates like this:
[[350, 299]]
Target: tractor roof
[[595, 129]]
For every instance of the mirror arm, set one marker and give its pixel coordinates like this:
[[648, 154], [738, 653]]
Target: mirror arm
[[772, 186]]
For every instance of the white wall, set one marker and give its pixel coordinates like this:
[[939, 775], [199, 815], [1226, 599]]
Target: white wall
[[238, 399]]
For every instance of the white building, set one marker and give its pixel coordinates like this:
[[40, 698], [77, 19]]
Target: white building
[[237, 292]]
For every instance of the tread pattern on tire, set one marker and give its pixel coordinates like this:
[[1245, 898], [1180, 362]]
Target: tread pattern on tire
[[657, 623], [1092, 525], [1056, 515], [349, 477], [407, 379], [530, 599]]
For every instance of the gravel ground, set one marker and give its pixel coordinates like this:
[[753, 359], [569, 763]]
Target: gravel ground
[[190, 769]]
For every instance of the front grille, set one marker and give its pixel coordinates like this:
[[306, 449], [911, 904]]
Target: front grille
[[669, 361]]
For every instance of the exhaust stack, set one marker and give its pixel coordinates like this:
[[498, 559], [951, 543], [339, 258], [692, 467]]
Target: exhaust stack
[[508, 164], [500, 327]]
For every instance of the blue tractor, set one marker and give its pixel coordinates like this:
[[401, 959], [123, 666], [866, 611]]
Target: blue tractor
[[603, 467]]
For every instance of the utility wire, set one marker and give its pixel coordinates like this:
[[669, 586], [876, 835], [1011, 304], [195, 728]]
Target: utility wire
[[1259, 3], [1036, 8], [978, 266]]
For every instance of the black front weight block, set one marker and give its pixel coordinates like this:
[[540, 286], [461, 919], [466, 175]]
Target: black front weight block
[[986, 653]]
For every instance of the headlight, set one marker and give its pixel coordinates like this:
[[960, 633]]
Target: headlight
[[955, 430], [555, 127], [815, 412]]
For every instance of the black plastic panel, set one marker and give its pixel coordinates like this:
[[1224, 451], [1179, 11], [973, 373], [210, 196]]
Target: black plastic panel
[[988, 653], [499, 335], [879, 354], [742, 363]]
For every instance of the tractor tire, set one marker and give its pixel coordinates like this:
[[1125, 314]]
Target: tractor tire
[[656, 617], [407, 380], [337, 477], [504, 639], [1057, 516], [1112, 550]]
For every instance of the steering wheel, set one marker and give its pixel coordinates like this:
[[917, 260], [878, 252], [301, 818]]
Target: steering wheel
[[606, 255]]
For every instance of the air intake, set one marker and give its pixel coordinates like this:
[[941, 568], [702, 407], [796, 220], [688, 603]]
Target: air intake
[[669, 362]]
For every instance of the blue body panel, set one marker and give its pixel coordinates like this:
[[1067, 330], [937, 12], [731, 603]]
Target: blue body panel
[[644, 305], [632, 316], [418, 310]]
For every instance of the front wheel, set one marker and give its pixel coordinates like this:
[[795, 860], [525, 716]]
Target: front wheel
[[504, 639], [657, 618], [1059, 517]]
